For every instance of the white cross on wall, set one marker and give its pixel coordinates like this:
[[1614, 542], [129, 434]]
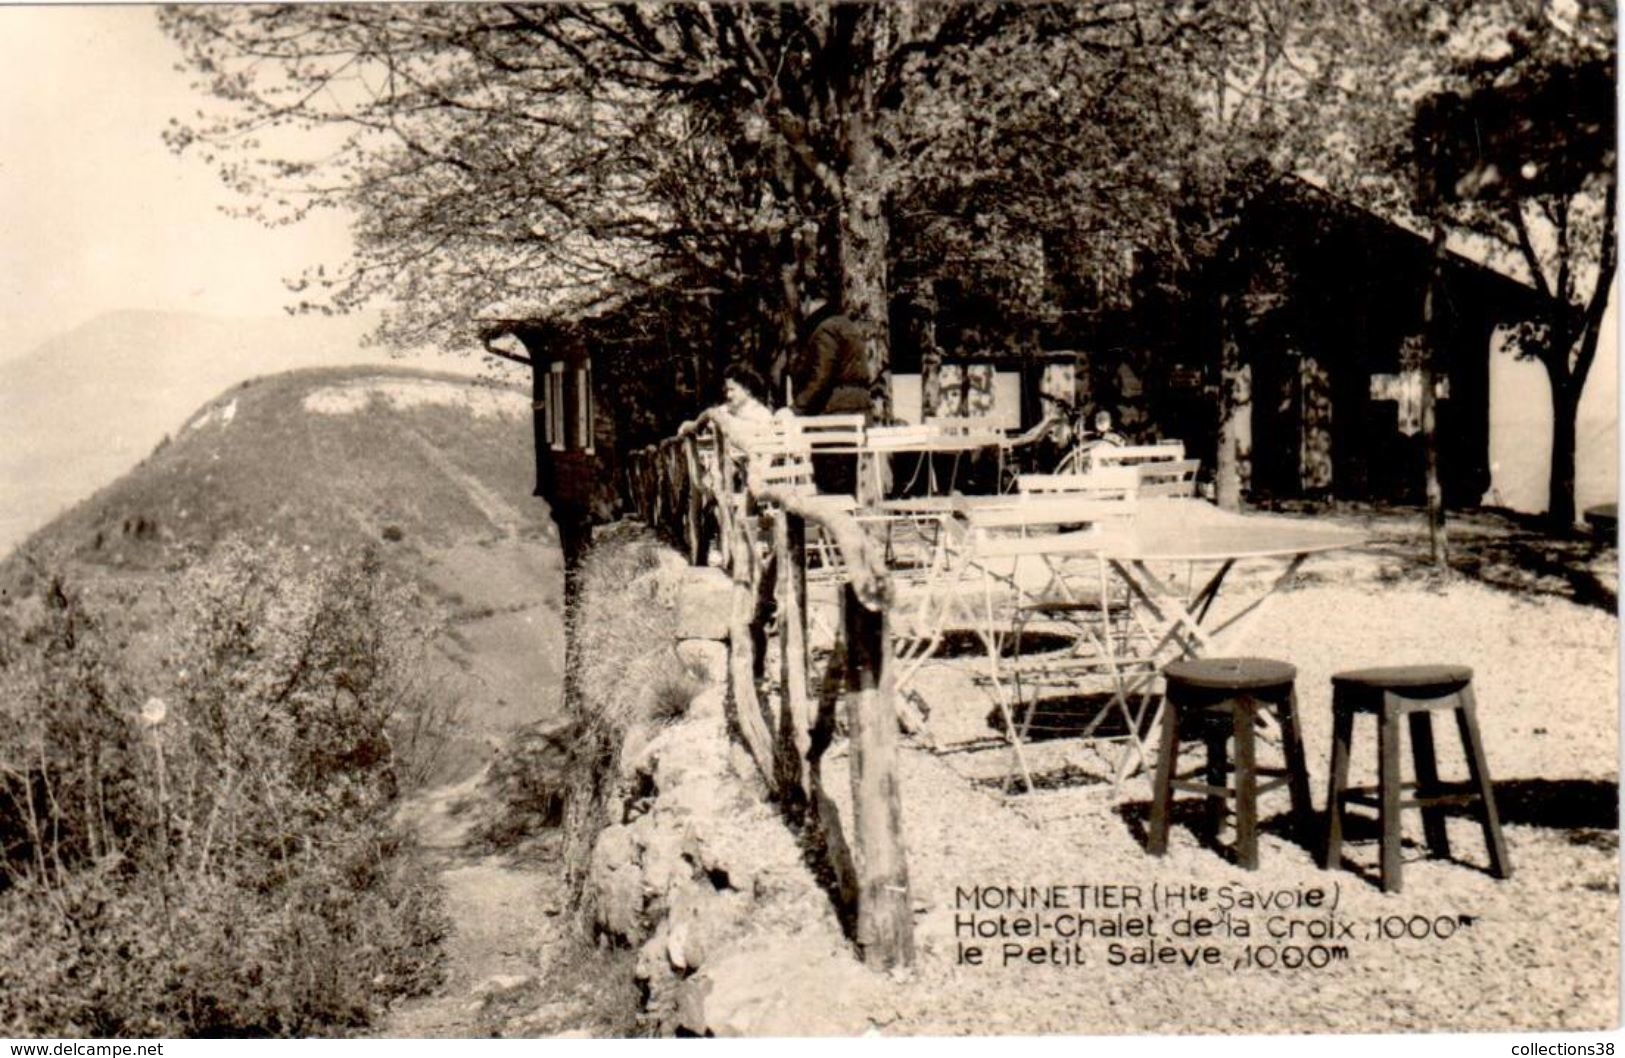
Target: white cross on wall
[[1405, 390]]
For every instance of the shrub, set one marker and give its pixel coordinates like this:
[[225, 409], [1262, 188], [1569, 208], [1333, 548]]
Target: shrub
[[528, 778], [208, 848], [627, 673]]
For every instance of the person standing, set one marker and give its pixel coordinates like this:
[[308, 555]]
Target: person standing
[[829, 371], [829, 375]]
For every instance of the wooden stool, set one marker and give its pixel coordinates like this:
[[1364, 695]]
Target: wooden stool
[[1412, 692], [1228, 694]]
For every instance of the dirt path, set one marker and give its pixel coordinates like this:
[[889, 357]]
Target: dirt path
[[512, 967], [506, 912]]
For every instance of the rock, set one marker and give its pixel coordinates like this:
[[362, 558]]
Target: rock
[[635, 750], [617, 881], [690, 1013], [500, 983], [705, 657], [704, 603], [710, 706], [704, 793], [616, 846], [653, 964], [779, 986], [620, 905], [677, 948], [700, 921], [682, 758], [745, 770], [664, 865]]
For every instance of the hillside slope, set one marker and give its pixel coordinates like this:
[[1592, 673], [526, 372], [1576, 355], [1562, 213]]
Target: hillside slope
[[433, 469], [320, 457], [84, 407]]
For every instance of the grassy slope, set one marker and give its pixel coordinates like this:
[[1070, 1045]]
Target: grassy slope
[[436, 473], [83, 408], [452, 489]]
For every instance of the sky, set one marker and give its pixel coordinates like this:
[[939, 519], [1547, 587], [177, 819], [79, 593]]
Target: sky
[[97, 213]]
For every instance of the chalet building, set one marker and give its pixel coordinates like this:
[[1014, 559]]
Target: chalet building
[[574, 438], [1325, 306], [1322, 300], [603, 385]]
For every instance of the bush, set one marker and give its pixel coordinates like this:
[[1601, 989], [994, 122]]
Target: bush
[[528, 778], [207, 848], [627, 673]]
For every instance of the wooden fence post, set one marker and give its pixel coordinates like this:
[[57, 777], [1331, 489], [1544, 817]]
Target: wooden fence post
[[727, 482], [657, 488], [795, 713], [694, 535], [742, 647], [672, 474], [645, 500], [634, 477], [885, 933]]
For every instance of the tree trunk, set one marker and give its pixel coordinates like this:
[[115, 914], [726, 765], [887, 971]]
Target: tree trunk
[[575, 537], [862, 233], [1233, 465], [1432, 331], [795, 713], [861, 252], [1560, 486]]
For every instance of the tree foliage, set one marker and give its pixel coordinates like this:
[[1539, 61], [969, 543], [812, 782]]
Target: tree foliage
[[1330, 89], [516, 160], [206, 846], [507, 162], [1561, 240]]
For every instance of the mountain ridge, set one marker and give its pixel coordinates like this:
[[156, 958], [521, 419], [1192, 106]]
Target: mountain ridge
[[432, 471], [87, 404], [317, 456]]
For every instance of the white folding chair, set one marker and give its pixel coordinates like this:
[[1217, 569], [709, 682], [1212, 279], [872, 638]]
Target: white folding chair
[[1102, 483], [1174, 477], [1005, 569], [825, 434], [1134, 455], [1091, 456]]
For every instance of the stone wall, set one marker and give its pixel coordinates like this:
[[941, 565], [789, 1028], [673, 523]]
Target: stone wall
[[703, 876]]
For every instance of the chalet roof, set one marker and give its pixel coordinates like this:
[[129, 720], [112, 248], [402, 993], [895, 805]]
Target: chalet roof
[[1400, 236]]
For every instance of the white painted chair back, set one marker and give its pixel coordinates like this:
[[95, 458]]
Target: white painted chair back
[[1173, 478], [894, 438], [1102, 483], [826, 434], [1134, 455]]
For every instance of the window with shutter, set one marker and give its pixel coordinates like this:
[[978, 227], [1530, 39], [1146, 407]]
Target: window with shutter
[[584, 407], [555, 407]]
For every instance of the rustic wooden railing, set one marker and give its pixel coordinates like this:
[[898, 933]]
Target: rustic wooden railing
[[689, 483]]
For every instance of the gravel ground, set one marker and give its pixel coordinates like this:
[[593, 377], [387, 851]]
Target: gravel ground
[[1537, 951]]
